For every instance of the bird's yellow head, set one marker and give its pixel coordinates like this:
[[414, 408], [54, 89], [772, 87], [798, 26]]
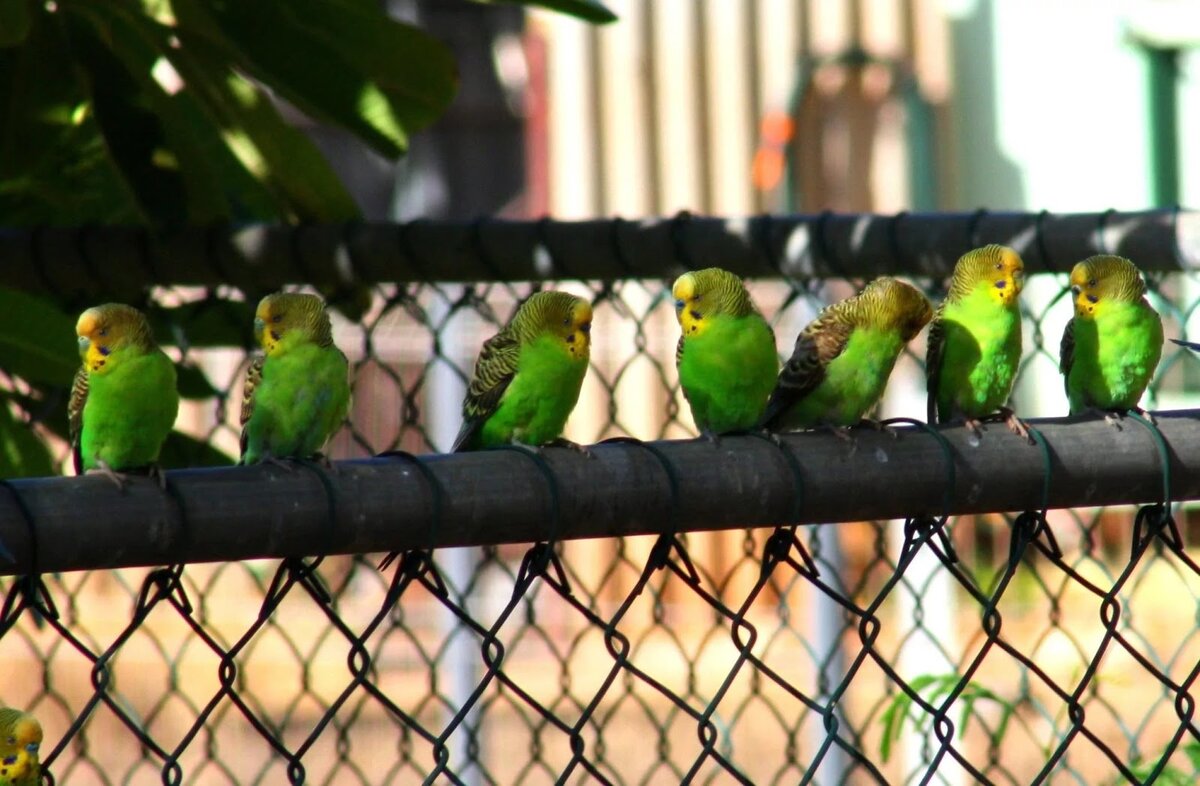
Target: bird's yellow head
[[999, 268], [896, 304], [103, 330], [20, 741], [702, 294], [1103, 279], [286, 319], [560, 314]]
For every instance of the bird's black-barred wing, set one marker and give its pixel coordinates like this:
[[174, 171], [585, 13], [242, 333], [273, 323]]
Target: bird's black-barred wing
[[1066, 353], [253, 379], [79, 391], [817, 345], [934, 355], [494, 370]]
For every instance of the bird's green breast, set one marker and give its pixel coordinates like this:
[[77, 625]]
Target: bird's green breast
[[129, 411], [539, 399], [981, 355], [1116, 354], [728, 371], [853, 381], [302, 399]]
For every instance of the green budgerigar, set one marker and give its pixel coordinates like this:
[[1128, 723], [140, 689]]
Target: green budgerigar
[[297, 393], [843, 358], [726, 354], [20, 740], [124, 401], [1111, 347], [974, 347], [528, 376]]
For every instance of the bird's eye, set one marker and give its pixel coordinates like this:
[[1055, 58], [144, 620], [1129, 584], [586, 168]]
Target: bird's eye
[[999, 266], [1091, 282], [102, 332], [11, 741], [567, 321], [277, 318]]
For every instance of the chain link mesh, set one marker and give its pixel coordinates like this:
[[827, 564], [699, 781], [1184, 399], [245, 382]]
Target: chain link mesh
[[1058, 646]]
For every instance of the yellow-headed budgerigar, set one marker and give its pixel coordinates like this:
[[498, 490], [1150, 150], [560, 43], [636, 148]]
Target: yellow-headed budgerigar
[[20, 739], [124, 401], [1111, 347], [843, 358], [296, 393], [726, 353], [974, 347], [528, 376]]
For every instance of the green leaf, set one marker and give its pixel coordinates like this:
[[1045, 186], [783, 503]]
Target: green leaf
[[163, 149], [22, 454], [589, 10], [15, 21], [415, 71], [37, 341], [192, 383], [207, 323], [319, 78], [55, 167], [275, 153], [181, 450], [893, 723]]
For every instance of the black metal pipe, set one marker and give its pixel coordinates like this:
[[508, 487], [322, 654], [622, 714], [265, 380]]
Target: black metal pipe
[[511, 496]]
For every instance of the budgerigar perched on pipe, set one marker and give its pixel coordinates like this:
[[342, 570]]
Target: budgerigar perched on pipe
[[974, 347], [1111, 347], [726, 353], [843, 358], [124, 400]]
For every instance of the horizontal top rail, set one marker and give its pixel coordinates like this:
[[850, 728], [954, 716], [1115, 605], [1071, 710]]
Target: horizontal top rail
[[116, 262], [513, 495]]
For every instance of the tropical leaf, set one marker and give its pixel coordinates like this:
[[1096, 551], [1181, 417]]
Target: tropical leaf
[[37, 340], [22, 454], [588, 10]]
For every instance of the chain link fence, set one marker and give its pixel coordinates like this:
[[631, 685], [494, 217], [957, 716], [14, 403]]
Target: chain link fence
[[1056, 646]]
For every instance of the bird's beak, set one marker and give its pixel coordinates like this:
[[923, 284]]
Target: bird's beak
[[84, 343], [259, 327]]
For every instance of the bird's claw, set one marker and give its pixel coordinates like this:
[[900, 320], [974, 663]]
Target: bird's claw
[[156, 471], [1016, 425], [1147, 414], [881, 427], [119, 479], [771, 436], [975, 426]]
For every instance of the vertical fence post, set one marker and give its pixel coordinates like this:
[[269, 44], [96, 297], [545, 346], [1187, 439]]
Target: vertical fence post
[[460, 666]]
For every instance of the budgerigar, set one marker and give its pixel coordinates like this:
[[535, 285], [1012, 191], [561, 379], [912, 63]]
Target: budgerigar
[[843, 358], [296, 393], [124, 401], [974, 346], [1111, 347], [20, 739], [528, 375], [726, 354]]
